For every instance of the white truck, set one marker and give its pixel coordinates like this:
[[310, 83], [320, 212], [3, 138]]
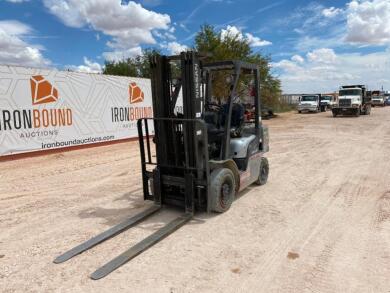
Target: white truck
[[328, 100], [353, 100], [378, 98], [310, 103]]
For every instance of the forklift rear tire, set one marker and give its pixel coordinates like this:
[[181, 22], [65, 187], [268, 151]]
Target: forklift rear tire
[[264, 171], [222, 189]]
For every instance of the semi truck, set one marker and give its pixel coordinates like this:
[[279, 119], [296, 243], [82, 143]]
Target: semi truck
[[353, 100], [311, 103]]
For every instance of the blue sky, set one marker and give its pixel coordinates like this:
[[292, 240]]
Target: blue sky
[[314, 45]]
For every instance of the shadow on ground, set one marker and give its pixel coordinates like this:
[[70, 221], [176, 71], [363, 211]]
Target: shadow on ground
[[113, 216]]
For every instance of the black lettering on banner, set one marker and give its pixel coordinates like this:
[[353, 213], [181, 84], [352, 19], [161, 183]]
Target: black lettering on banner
[[27, 122], [116, 114], [7, 119], [17, 120]]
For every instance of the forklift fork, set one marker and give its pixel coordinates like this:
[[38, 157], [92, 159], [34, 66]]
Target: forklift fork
[[141, 246], [132, 251], [113, 231]]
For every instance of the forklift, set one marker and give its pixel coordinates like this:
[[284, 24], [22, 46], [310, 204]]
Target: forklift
[[207, 145]]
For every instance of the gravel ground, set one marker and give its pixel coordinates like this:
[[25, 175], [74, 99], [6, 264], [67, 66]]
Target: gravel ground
[[320, 224]]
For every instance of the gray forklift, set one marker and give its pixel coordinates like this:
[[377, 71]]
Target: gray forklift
[[207, 145]]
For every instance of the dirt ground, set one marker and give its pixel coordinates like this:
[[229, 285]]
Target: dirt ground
[[320, 224]]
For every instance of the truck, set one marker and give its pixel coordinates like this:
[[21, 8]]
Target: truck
[[311, 103], [328, 100], [387, 99], [378, 98], [353, 100]]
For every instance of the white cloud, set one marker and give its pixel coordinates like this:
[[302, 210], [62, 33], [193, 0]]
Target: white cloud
[[122, 54], [368, 22], [14, 27], [175, 48], [325, 71], [88, 67], [234, 32], [311, 17], [129, 24], [165, 35], [256, 41], [17, 1], [286, 66], [331, 12], [14, 50], [231, 31], [297, 59], [323, 55]]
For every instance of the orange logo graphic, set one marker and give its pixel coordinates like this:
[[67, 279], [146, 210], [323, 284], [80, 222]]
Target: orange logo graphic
[[42, 91], [135, 93]]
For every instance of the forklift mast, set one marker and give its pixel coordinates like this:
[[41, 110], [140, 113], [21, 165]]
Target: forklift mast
[[181, 170]]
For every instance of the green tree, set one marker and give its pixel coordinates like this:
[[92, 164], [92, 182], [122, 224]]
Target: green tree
[[135, 67], [234, 46], [210, 41]]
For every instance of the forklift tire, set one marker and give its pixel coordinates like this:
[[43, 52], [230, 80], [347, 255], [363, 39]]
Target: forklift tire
[[264, 171], [222, 189]]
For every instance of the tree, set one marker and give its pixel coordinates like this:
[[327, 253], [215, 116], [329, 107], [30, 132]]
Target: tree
[[136, 67], [220, 47], [235, 46]]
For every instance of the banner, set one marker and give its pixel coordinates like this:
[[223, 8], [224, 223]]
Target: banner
[[42, 109]]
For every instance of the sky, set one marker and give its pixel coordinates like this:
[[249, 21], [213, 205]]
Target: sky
[[314, 46]]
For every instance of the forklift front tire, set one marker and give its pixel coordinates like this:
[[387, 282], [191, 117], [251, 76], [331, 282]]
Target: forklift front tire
[[223, 189], [264, 170]]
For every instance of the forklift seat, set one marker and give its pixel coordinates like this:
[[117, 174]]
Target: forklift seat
[[213, 128], [237, 119]]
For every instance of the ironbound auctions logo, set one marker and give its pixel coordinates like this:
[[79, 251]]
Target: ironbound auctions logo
[[42, 92], [132, 113]]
